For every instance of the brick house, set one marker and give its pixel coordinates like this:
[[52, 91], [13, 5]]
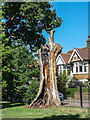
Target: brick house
[[77, 61]]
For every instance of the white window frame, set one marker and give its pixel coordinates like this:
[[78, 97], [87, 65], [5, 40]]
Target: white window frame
[[86, 66], [78, 65]]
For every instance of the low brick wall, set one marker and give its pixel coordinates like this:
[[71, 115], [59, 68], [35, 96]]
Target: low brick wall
[[85, 96]]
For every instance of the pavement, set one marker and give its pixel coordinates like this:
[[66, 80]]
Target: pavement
[[76, 103]]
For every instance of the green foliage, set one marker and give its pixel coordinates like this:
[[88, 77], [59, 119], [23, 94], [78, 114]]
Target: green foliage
[[84, 89], [62, 79], [0, 50], [18, 70], [27, 20], [86, 84], [31, 91], [71, 91], [21, 37]]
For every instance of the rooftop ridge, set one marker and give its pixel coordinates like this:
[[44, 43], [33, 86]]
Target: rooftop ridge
[[66, 53], [81, 48]]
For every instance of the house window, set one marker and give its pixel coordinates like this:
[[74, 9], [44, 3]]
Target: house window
[[72, 69], [60, 69], [76, 67], [75, 57], [85, 67], [64, 67], [80, 67]]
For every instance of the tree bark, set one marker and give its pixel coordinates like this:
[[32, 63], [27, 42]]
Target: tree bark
[[48, 91]]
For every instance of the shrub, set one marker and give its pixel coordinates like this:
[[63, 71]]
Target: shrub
[[86, 83], [31, 92], [70, 91], [61, 82]]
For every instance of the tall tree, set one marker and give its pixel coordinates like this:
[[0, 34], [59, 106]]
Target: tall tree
[[26, 21], [19, 69], [48, 92], [23, 24]]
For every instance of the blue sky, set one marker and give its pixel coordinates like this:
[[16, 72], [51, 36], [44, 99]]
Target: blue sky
[[73, 32]]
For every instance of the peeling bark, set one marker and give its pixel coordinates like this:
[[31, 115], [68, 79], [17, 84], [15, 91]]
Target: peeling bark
[[48, 91]]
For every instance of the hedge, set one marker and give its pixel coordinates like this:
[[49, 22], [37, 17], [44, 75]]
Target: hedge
[[70, 91]]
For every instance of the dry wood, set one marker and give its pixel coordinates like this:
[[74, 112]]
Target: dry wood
[[48, 91]]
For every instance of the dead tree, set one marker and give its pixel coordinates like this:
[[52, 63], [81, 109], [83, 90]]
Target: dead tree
[[48, 91]]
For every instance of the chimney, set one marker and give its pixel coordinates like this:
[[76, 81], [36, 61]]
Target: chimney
[[88, 42]]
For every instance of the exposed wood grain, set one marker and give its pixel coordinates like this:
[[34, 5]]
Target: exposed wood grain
[[48, 82]]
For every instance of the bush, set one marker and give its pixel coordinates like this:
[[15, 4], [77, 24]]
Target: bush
[[86, 83], [70, 91], [31, 92], [61, 83]]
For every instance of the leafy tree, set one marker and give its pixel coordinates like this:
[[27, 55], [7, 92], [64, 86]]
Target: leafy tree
[[18, 70], [26, 21], [23, 25], [5, 57], [0, 52]]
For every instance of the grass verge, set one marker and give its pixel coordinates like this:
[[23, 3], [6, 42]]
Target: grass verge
[[17, 110]]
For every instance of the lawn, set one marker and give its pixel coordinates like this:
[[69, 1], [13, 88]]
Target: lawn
[[17, 110]]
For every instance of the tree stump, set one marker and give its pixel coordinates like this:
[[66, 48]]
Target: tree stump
[[48, 91]]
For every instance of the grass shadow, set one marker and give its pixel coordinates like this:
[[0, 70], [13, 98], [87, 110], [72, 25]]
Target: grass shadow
[[54, 117], [8, 105], [62, 117]]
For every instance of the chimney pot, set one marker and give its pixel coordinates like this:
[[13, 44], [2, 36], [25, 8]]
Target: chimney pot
[[89, 36], [88, 42]]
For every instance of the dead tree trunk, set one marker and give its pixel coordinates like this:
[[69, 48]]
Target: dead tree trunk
[[48, 91]]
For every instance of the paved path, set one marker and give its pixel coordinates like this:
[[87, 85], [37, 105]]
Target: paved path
[[76, 103]]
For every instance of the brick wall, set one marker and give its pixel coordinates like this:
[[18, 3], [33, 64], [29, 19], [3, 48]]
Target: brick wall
[[85, 96]]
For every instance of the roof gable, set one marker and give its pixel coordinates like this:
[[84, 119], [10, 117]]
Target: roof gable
[[75, 56], [60, 60]]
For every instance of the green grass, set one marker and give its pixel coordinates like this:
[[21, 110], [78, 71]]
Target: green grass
[[17, 110]]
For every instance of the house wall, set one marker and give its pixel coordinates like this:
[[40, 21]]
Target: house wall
[[82, 64], [89, 73], [89, 69]]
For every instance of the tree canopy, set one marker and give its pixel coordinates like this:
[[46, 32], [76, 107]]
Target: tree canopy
[[25, 22]]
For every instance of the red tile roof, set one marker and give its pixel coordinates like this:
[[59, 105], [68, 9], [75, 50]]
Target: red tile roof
[[84, 53], [65, 56], [70, 51]]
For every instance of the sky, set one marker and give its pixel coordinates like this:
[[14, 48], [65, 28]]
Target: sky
[[73, 32]]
